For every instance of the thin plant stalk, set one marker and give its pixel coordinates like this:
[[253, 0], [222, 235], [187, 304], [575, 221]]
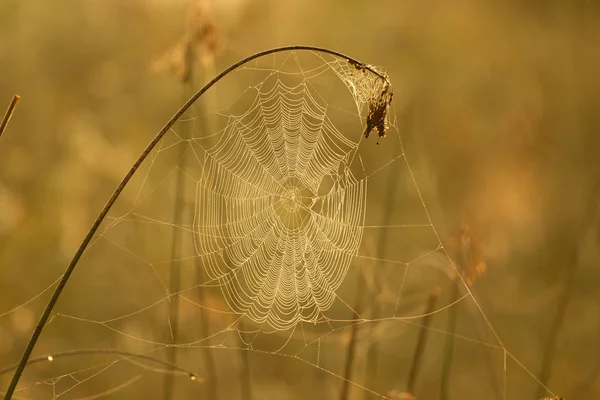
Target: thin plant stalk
[[348, 369], [320, 388], [211, 370], [421, 341], [175, 276], [383, 243], [569, 274], [582, 389], [113, 198], [125, 354], [495, 380], [349, 363], [449, 344], [9, 112], [245, 373], [373, 354], [209, 362]]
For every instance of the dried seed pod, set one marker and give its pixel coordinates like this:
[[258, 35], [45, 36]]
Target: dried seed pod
[[378, 111]]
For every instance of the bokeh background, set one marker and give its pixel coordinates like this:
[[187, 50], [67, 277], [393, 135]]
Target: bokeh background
[[499, 109]]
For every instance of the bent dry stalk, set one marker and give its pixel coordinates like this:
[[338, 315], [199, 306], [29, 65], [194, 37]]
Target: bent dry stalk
[[9, 112], [84, 244]]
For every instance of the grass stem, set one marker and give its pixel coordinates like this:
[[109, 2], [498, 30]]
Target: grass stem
[[175, 276], [569, 274], [211, 371], [9, 112], [245, 372], [353, 337], [421, 341], [449, 344]]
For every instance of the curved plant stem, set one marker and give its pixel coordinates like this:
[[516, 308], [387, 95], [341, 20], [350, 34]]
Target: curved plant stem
[[11, 108], [124, 354], [69, 270]]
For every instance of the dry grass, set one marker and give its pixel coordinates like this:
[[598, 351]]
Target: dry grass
[[9, 112]]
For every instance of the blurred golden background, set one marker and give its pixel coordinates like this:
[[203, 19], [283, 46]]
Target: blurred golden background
[[498, 105]]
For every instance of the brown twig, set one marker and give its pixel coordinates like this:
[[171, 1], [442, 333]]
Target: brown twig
[[360, 289], [9, 112], [449, 344]]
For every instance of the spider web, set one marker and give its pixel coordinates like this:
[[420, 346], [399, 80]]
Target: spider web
[[266, 241]]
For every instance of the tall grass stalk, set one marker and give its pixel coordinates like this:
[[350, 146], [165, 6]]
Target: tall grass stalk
[[449, 344], [383, 243], [175, 276], [245, 372], [212, 383], [421, 341], [9, 112], [571, 268], [348, 369]]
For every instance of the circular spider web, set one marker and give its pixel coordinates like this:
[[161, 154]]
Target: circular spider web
[[293, 210], [266, 227]]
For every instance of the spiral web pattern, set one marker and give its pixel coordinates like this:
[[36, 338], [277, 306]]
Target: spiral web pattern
[[293, 211]]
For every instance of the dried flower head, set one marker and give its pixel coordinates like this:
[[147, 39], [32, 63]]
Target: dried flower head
[[200, 42], [467, 250], [201, 28], [378, 111]]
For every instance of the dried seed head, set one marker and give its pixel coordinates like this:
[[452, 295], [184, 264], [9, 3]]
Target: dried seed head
[[201, 28], [378, 110], [467, 251], [200, 42]]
